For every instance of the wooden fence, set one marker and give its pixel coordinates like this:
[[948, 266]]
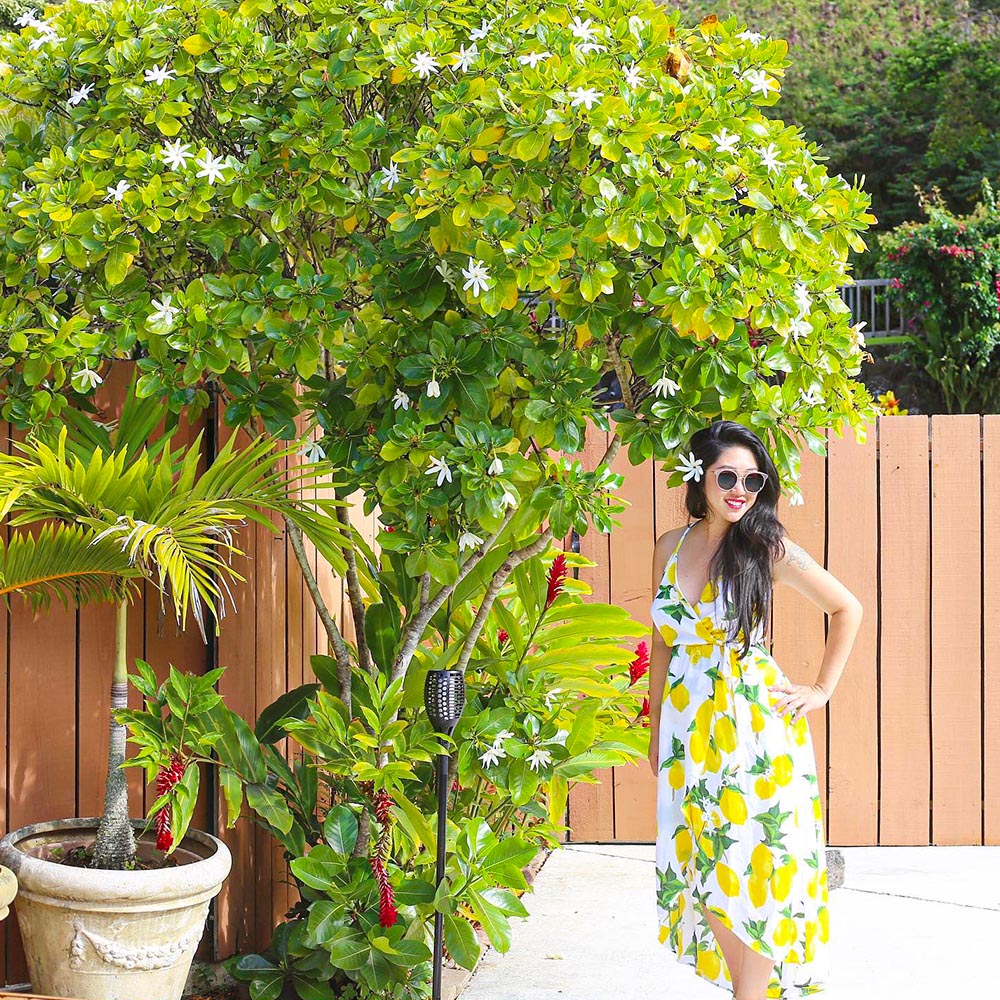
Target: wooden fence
[[908, 750]]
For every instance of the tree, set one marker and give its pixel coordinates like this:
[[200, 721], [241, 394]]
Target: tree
[[370, 215]]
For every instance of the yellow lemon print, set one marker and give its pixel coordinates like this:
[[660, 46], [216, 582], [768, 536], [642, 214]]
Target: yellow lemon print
[[703, 719], [695, 819], [783, 769], [764, 787], [756, 718], [793, 956], [707, 629], [725, 734], [733, 806], [785, 932], [697, 748], [683, 847], [669, 634], [817, 809], [720, 695], [757, 888], [781, 882], [762, 861], [679, 697], [713, 760], [708, 964], [676, 775], [664, 933], [824, 924], [729, 881], [706, 845]]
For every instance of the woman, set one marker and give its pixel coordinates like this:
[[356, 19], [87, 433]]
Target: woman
[[740, 862]]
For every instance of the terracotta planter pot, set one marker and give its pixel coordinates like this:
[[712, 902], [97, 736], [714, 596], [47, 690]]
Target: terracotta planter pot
[[108, 935]]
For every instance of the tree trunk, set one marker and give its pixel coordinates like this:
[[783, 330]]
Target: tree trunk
[[115, 845]]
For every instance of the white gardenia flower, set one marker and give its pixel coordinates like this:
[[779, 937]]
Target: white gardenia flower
[[496, 467], [48, 37], [159, 74], [176, 154], [424, 64], [312, 451], [390, 176], [477, 277], [532, 59], [504, 734], [585, 95], [446, 272], [466, 57], [760, 81], [769, 158], [492, 755], [433, 388], [802, 298], [583, 29], [164, 311], [665, 386], [86, 378], [481, 32], [801, 187], [800, 327], [508, 499], [810, 397], [117, 192], [388, 6], [467, 540], [550, 696], [76, 96], [725, 142], [400, 400], [856, 330], [18, 196], [211, 167], [750, 36], [27, 19], [539, 758], [693, 468], [439, 467], [587, 47], [632, 76]]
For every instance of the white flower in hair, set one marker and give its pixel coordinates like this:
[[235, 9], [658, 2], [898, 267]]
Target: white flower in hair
[[692, 467]]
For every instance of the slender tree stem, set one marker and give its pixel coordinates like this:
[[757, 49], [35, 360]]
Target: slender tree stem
[[114, 848], [354, 595]]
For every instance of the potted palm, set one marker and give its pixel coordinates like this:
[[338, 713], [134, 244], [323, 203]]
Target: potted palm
[[119, 923]]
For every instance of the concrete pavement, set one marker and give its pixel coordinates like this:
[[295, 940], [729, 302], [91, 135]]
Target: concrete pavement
[[908, 924]]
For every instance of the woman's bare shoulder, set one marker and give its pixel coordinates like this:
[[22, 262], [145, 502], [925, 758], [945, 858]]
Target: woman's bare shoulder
[[666, 542]]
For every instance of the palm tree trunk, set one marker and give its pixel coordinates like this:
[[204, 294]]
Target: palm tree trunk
[[115, 846]]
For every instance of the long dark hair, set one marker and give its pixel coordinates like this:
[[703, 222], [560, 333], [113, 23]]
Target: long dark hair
[[742, 564]]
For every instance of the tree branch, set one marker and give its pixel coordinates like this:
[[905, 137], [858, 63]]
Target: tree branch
[[354, 594]]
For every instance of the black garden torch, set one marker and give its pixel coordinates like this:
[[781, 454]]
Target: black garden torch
[[444, 699]]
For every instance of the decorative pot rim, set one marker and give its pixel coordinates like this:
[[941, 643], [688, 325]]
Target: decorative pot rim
[[104, 889]]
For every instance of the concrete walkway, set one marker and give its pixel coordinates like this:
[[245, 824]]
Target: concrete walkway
[[908, 924]]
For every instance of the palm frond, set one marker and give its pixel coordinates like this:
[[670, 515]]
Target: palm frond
[[67, 562]]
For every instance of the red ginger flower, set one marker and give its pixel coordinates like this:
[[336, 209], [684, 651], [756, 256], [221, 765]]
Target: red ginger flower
[[502, 637], [644, 712], [387, 914], [556, 577], [165, 780], [640, 664]]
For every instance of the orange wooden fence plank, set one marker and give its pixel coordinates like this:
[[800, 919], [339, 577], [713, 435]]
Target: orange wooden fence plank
[[904, 656], [853, 558], [591, 806], [631, 558], [799, 627], [956, 609], [991, 629]]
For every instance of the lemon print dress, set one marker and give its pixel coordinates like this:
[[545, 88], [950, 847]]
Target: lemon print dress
[[739, 825]]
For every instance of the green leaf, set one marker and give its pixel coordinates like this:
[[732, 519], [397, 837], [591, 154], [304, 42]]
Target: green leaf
[[320, 869], [232, 790], [461, 940], [270, 806], [493, 919], [293, 704], [340, 830]]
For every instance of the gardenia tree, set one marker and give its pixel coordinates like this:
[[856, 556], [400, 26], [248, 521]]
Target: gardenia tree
[[432, 229]]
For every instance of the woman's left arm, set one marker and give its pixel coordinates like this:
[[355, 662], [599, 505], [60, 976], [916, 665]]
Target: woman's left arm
[[804, 574]]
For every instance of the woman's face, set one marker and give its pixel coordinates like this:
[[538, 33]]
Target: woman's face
[[728, 506]]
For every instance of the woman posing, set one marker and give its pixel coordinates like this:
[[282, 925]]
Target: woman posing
[[741, 888]]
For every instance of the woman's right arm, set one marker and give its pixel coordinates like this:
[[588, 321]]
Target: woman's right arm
[[659, 656]]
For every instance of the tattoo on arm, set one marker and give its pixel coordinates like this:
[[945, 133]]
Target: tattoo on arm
[[798, 557]]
